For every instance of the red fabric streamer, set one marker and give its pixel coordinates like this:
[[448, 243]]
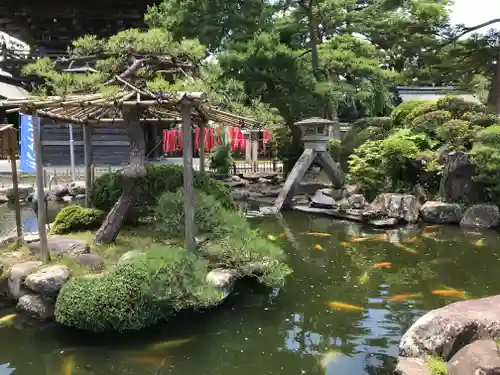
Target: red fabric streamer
[[197, 140], [266, 137], [179, 140]]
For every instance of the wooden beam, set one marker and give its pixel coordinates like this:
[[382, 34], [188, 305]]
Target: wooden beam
[[87, 157], [187, 158], [40, 194], [202, 147]]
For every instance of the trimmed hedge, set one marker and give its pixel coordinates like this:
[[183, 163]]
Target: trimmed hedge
[[76, 218], [401, 112], [159, 179]]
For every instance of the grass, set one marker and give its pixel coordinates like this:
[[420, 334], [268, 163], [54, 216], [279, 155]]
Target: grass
[[498, 345], [436, 365]]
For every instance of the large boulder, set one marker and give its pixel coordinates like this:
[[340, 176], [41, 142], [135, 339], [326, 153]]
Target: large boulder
[[17, 274], [441, 212], [223, 279], [48, 280], [411, 366], [61, 246], [400, 206], [321, 200], [76, 187], [24, 192], [480, 357], [357, 201], [36, 306], [58, 191], [481, 216], [457, 182], [446, 330]]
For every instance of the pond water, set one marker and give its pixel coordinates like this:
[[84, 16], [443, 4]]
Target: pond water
[[291, 330]]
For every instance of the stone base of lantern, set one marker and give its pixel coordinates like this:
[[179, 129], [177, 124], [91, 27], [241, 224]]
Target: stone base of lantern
[[310, 155]]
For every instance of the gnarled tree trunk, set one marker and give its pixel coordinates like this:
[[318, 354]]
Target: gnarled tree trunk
[[136, 169]]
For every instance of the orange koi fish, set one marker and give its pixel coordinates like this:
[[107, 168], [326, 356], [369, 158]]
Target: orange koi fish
[[360, 239], [344, 244], [449, 293], [68, 365], [282, 235], [406, 248], [316, 234], [404, 297], [432, 226], [343, 306], [271, 238], [319, 247], [147, 360], [479, 243], [383, 265]]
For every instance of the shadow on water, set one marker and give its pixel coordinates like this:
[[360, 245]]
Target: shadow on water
[[291, 330]]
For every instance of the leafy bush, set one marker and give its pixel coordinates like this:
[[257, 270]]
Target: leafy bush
[[402, 111], [76, 218], [458, 106], [288, 148], [107, 189], [232, 242], [425, 107], [365, 168], [137, 294], [480, 118], [334, 148], [429, 122], [457, 133], [221, 159], [489, 136], [487, 170]]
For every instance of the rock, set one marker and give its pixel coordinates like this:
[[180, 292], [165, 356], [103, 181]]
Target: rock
[[270, 192], [3, 199], [57, 192], [400, 206], [265, 181], [481, 216], [419, 192], [385, 223], [320, 200], [36, 306], [223, 279], [441, 212], [129, 256], [92, 260], [48, 280], [61, 246], [240, 194], [411, 366], [442, 154], [255, 176], [457, 182], [357, 201], [336, 194], [240, 183], [8, 239], [480, 357], [10, 257], [67, 199], [444, 331], [76, 188], [18, 273], [24, 192]]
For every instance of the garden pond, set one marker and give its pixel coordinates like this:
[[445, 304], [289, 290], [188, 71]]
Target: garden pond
[[353, 294]]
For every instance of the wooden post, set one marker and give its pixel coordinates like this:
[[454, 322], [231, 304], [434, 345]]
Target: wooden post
[[87, 156], [254, 136], [40, 194], [202, 147], [12, 143], [187, 159], [248, 148]]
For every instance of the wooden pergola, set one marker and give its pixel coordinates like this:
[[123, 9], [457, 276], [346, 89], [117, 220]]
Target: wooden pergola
[[98, 108]]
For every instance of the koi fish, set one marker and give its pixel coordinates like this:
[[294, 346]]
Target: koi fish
[[147, 360], [343, 306], [7, 319], [68, 365], [441, 260], [360, 239], [383, 265], [449, 293], [271, 238], [344, 244], [406, 248], [329, 357], [364, 278], [316, 234], [479, 243], [474, 233], [319, 247], [404, 297], [282, 235], [432, 226], [170, 344]]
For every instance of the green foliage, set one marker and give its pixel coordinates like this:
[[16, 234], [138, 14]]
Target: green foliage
[[107, 189], [480, 118], [231, 240], [430, 122], [456, 133], [458, 106], [401, 112], [425, 107], [136, 294], [334, 148], [365, 168], [76, 218], [489, 136], [221, 159], [288, 147], [486, 158], [436, 365]]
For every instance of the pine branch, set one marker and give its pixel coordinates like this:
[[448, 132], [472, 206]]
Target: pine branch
[[465, 31]]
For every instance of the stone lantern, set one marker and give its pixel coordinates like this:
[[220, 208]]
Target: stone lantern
[[314, 134]]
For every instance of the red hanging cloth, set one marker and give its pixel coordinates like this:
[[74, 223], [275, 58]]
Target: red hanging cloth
[[266, 137], [218, 140], [210, 139], [197, 140], [179, 140], [168, 141], [165, 141], [173, 140], [242, 141], [235, 136]]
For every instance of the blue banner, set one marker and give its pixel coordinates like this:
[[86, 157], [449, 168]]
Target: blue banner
[[27, 162]]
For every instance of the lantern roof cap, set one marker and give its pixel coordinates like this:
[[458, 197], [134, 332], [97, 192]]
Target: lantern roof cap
[[314, 121]]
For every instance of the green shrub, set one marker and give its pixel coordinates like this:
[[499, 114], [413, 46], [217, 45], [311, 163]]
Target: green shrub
[[458, 106], [429, 122], [489, 136], [456, 133], [425, 107], [221, 159], [402, 111], [136, 294], [232, 242], [487, 170], [334, 148], [288, 148], [76, 218], [365, 168], [480, 118], [107, 189]]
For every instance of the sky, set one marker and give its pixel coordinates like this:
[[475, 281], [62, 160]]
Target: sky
[[474, 12]]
